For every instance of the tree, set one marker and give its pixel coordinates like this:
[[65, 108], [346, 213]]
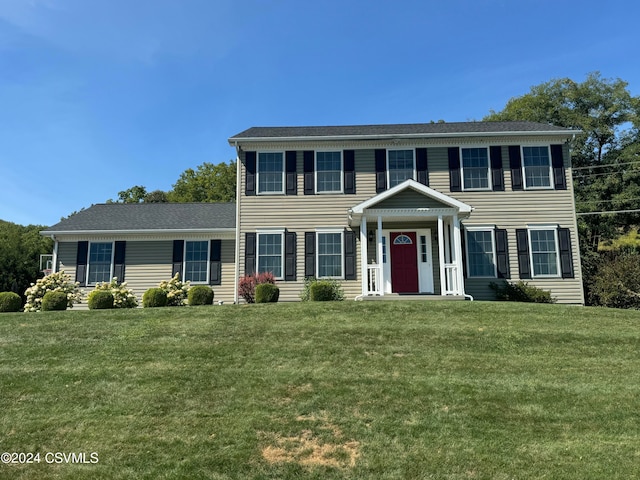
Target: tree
[[157, 196], [208, 183], [134, 194]]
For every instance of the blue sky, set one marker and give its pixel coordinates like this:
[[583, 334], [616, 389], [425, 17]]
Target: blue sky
[[99, 95]]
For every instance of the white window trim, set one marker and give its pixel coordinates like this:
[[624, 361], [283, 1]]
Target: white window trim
[[481, 228], [489, 186], [415, 174], [554, 228], [269, 231], [330, 230], [111, 265], [184, 260], [524, 173], [315, 172], [284, 173]]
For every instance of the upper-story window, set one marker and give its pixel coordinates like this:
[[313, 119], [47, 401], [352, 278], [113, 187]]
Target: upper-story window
[[536, 163], [100, 262], [401, 166], [328, 172], [270, 172], [475, 168]]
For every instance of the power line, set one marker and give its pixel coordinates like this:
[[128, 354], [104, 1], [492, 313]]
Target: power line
[[604, 213], [605, 165]]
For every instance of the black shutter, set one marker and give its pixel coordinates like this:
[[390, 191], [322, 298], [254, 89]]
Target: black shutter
[[566, 256], [309, 177], [463, 246], [250, 165], [118, 260], [310, 254], [249, 253], [497, 174], [292, 173], [524, 264], [350, 255], [381, 170], [215, 262], [348, 157], [515, 163], [502, 253], [455, 181], [81, 263], [557, 162], [289, 256], [178, 256], [422, 166]]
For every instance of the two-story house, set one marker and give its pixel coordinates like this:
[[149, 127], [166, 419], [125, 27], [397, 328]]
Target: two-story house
[[435, 209]]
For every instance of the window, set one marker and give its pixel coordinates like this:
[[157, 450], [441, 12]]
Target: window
[[270, 172], [100, 260], [329, 172], [401, 166], [475, 168], [196, 261], [481, 253], [537, 167], [330, 259], [544, 252], [270, 251], [423, 249]]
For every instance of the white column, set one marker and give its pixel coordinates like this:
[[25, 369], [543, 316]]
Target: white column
[[54, 267], [441, 242], [379, 255], [364, 254], [457, 246]]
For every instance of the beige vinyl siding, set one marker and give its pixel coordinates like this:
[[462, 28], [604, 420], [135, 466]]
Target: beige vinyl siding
[[67, 254]]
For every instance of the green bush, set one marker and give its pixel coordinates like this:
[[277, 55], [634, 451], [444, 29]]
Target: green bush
[[521, 292], [200, 295], [10, 302], [54, 301], [100, 300], [154, 297], [321, 291], [267, 293], [334, 286], [616, 282], [54, 282], [123, 296]]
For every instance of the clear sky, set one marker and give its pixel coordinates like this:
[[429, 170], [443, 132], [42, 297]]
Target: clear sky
[[97, 96]]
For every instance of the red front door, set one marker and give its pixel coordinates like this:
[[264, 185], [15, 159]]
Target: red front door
[[404, 262]]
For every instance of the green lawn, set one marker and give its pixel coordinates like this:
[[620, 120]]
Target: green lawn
[[363, 390]]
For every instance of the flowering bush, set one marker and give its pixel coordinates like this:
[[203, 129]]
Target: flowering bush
[[123, 297], [54, 282], [177, 291], [247, 285]]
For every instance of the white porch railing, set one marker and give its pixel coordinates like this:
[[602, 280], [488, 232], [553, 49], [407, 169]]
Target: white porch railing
[[451, 279], [374, 286]]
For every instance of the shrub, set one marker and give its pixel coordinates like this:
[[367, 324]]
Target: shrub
[[200, 295], [267, 293], [100, 300], [123, 297], [10, 302], [521, 292], [59, 282], [334, 286], [616, 282], [154, 297], [54, 301], [177, 291], [247, 285]]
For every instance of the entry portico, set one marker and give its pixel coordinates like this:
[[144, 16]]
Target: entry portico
[[401, 224]]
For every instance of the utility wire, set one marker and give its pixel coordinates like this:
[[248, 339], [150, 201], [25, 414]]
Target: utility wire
[[604, 213], [605, 165]]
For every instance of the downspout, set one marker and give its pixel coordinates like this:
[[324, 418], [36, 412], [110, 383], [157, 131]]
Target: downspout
[[54, 267], [237, 262]]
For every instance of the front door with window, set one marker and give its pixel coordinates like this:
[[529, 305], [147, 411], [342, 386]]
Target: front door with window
[[404, 262]]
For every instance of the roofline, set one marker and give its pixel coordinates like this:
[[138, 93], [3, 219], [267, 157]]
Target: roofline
[[234, 141], [47, 233]]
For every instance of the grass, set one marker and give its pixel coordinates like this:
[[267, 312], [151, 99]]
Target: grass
[[451, 390]]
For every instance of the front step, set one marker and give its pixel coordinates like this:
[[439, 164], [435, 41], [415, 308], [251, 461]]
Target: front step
[[410, 296]]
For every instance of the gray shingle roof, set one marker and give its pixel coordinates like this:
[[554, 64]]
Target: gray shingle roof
[[398, 129], [149, 216]]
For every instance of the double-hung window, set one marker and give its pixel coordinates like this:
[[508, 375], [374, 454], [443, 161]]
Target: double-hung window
[[196, 261], [401, 166], [270, 172], [100, 262], [330, 254], [544, 252], [536, 163], [475, 168], [271, 252], [329, 172], [481, 252]]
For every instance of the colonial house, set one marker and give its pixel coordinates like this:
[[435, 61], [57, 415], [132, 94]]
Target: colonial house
[[387, 210]]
